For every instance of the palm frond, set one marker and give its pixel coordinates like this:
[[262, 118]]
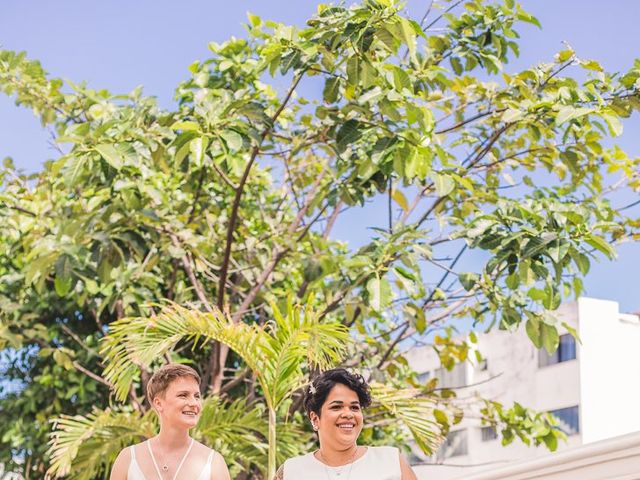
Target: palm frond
[[135, 342], [295, 339], [276, 355], [234, 429], [293, 440], [414, 410], [85, 446]]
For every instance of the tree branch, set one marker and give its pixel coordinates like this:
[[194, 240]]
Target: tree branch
[[279, 253], [444, 277], [90, 374], [233, 218], [468, 120], [186, 265]]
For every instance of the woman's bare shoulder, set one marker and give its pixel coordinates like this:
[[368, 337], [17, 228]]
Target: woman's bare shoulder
[[219, 470], [203, 449], [121, 465]]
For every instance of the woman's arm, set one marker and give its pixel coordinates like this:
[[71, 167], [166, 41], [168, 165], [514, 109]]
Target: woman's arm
[[406, 471], [219, 470], [279, 473], [121, 465]]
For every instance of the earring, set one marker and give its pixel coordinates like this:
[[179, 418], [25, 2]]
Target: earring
[[315, 427]]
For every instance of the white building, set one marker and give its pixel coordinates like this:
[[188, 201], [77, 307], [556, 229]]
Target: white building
[[592, 386]]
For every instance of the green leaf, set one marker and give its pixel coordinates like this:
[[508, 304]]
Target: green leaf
[[186, 126], [444, 184], [111, 155], [567, 113], [565, 55], [532, 328], [401, 80], [353, 70], [348, 133], [331, 89], [549, 337], [512, 115], [233, 140], [582, 262], [468, 280], [614, 123], [62, 285], [198, 147], [380, 293], [456, 64], [601, 244], [409, 37]]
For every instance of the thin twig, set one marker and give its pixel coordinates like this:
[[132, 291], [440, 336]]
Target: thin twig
[[443, 13], [90, 374], [233, 218]]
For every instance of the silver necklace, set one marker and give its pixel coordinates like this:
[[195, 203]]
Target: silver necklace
[[165, 467], [342, 467]]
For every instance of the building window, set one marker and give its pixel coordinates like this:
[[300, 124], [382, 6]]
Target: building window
[[454, 446], [489, 433], [566, 351], [452, 378], [568, 419]]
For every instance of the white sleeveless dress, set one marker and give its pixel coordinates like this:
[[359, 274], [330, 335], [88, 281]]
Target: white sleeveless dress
[[378, 463], [134, 472]]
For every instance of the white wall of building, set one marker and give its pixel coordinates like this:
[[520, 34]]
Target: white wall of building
[[612, 459], [603, 378], [609, 370]]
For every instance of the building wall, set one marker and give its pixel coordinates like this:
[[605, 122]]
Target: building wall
[[612, 459], [512, 375], [609, 370]]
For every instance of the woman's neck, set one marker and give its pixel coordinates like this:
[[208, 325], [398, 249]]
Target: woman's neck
[[336, 457], [172, 438]]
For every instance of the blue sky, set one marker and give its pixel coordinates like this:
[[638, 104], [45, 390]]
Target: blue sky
[[119, 45]]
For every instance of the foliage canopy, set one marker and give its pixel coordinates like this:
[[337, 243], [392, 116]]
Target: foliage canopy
[[150, 223]]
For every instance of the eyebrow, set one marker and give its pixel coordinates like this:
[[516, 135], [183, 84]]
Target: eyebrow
[[340, 402]]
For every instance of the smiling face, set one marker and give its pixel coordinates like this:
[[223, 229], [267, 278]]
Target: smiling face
[[341, 420], [180, 404]]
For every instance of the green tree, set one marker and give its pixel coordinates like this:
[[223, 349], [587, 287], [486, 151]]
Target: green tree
[[227, 204]]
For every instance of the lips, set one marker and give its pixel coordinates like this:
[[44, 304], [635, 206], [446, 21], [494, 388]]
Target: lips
[[190, 414]]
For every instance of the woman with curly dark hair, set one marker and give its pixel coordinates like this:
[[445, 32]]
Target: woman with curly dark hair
[[334, 402]]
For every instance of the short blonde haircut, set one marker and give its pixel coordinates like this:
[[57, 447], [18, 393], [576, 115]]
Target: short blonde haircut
[[162, 378]]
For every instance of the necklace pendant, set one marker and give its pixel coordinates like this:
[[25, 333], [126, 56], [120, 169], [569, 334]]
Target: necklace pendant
[[165, 468]]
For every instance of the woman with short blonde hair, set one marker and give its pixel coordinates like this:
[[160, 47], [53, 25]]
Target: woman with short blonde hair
[[174, 392]]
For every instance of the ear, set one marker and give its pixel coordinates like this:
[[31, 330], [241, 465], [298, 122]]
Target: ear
[[315, 420], [157, 403]]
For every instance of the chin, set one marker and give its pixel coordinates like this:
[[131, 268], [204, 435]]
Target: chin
[[188, 422], [191, 423]]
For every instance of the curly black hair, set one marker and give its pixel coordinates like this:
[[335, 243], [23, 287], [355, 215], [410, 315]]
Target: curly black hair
[[317, 392]]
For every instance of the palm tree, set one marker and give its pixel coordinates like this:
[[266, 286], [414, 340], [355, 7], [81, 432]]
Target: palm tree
[[84, 446], [279, 354]]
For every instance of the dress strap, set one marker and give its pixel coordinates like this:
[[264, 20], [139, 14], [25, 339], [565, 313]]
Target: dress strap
[[210, 459], [154, 460], [132, 449]]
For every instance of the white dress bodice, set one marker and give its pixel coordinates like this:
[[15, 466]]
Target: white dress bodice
[[134, 472], [378, 463]]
